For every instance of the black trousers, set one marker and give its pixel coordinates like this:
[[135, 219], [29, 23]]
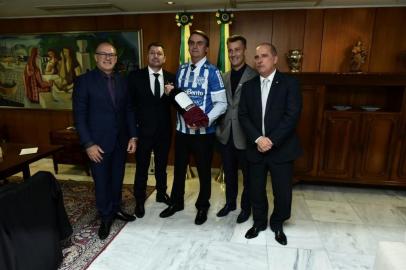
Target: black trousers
[[281, 175], [201, 147], [108, 180], [160, 144], [233, 159]]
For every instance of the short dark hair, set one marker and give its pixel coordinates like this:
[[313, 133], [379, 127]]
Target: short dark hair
[[202, 34], [235, 38], [156, 44], [274, 52]]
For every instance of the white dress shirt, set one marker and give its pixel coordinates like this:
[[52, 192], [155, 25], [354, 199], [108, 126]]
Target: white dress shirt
[[266, 83], [152, 80]]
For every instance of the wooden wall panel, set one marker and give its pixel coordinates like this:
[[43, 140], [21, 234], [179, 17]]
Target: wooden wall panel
[[326, 36], [288, 33], [256, 27], [108, 23], [388, 50], [207, 23], [158, 31], [33, 126], [171, 42], [342, 29], [19, 25], [214, 35], [313, 38]]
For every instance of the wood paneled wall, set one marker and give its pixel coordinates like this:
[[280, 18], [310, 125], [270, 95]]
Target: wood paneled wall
[[326, 37]]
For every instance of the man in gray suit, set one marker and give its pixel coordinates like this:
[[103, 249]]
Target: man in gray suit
[[229, 132]]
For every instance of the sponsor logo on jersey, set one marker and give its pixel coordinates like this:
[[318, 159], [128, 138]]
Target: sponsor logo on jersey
[[196, 93]]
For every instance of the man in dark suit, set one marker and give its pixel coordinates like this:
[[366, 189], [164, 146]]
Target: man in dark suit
[[105, 121], [269, 112], [154, 126], [229, 132]]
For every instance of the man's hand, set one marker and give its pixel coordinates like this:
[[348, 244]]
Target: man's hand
[[194, 127], [168, 88], [264, 144], [132, 146], [94, 152]]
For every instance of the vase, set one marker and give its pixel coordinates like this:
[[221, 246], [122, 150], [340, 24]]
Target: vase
[[294, 58]]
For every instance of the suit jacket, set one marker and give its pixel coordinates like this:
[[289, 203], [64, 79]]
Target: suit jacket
[[282, 113], [153, 114], [97, 119], [230, 118]]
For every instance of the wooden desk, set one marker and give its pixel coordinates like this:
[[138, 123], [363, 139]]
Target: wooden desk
[[13, 163]]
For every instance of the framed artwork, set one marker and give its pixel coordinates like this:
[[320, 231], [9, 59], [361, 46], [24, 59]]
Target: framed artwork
[[38, 70]]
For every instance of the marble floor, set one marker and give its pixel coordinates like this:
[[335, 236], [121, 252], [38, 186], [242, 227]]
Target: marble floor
[[331, 228]]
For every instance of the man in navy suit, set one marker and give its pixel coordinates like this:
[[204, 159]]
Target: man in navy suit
[[269, 112], [154, 124], [105, 121]]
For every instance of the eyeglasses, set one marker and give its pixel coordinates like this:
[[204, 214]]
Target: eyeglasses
[[105, 55]]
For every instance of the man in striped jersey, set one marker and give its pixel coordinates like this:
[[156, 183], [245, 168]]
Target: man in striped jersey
[[202, 82]]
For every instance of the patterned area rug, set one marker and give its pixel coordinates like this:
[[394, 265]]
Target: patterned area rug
[[84, 245]]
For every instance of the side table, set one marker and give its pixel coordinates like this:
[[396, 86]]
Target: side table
[[72, 152]]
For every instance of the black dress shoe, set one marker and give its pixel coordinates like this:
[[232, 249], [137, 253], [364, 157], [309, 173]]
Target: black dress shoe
[[104, 229], [170, 210], [124, 216], [201, 217], [254, 231], [163, 198], [139, 210], [225, 210], [280, 237], [243, 216]]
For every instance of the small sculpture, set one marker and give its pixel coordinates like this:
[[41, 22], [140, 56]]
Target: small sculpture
[[294, 58], [358, 57]]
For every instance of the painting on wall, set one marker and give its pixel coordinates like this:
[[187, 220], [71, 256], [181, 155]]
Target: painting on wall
[[39, 70]]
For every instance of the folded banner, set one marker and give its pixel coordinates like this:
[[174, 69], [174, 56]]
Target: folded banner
[[184, 21], [224, 18]]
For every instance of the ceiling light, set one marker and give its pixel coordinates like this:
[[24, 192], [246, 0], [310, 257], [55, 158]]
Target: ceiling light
[[170, 3]]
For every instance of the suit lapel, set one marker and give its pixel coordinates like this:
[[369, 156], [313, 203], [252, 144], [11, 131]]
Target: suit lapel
[[227, 83], [256, 95], [244, 78], [274, 87], [167, 79], [118, 87], [147, 83]]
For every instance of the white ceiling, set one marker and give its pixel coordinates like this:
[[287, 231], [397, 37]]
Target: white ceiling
[[52, 8]]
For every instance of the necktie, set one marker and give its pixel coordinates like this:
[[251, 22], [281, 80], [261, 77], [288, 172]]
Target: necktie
[[264, 98], [110, 86], [192, 74], [157, 87]]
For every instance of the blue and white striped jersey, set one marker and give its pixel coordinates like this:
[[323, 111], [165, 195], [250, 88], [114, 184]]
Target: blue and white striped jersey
[[204, 85]]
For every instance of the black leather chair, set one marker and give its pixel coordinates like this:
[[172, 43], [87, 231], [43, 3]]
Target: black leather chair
[[33, 221]]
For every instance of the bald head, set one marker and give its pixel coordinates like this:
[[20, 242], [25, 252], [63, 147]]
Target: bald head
[[106, 57], [266, 59]]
